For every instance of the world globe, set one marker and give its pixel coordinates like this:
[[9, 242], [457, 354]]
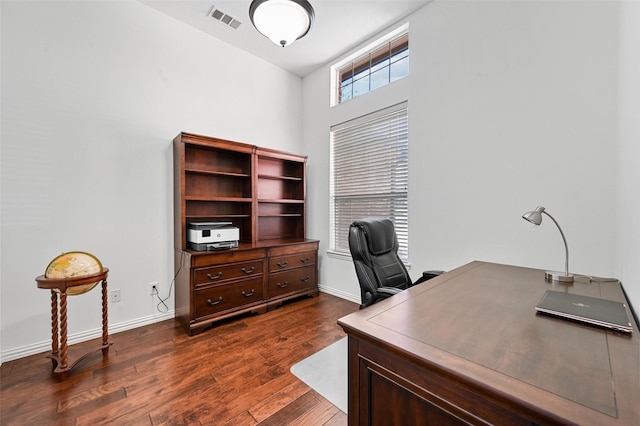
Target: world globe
[[74, 264]]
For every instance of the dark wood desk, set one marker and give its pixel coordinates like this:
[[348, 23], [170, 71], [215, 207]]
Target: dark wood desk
[[468, 348]]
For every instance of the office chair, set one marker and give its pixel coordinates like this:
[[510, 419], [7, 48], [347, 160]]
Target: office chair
[[374, 248]]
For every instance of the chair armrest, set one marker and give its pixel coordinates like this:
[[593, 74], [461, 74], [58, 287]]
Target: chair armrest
[[431, 274], [427, 275], [384, 292], [381, 293]]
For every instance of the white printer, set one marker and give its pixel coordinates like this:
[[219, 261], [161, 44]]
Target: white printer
[[203, 236]]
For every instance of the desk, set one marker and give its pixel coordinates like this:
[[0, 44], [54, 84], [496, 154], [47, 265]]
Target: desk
[[468, 348]]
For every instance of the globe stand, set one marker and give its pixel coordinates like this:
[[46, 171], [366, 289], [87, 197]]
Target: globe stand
[[59, 288]]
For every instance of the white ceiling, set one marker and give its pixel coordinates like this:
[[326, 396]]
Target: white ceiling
[[338, 27]]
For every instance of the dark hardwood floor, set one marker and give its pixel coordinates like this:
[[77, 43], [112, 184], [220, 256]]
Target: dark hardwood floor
[[236, 373]]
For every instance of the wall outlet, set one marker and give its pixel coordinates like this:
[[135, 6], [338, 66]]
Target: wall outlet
[[153, 289], [115, 296]]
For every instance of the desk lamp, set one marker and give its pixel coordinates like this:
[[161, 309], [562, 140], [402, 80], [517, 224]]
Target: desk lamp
[[535, 217]]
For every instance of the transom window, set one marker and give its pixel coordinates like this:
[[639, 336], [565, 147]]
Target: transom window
[[384, 64]]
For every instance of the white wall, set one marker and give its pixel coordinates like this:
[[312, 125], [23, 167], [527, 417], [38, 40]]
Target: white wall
[[512, 104], [628, 202], [93, 92], [92, 95]]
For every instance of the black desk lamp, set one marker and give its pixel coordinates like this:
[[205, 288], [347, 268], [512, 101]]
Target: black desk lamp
[[535, 217]]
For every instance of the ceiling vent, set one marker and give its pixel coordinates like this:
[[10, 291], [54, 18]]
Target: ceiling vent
[[219, 15]]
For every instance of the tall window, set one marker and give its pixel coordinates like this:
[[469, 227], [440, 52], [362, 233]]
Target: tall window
[[384, 64], [370, 174]]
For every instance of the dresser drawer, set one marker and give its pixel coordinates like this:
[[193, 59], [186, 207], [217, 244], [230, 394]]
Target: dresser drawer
[[281, 263], [298, 247], [220, 298], [204, 259], [215, 274], [281, 283]]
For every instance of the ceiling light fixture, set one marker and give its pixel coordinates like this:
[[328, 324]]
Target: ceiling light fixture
[[282, 21]]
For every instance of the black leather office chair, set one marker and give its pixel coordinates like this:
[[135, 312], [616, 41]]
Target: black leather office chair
[[374, 248]]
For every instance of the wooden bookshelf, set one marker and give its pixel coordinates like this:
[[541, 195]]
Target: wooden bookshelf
[[260, 191]]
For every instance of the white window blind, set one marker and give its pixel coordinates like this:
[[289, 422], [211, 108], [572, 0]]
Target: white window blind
[[370, 174]]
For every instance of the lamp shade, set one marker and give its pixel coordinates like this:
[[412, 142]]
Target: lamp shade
[[282, 21], [534, 216]]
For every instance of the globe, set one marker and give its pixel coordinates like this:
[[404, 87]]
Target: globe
[[75, 264]]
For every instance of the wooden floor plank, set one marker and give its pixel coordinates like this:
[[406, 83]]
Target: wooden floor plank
[[271, 405], [235, 373], [293, 411], [324, 414], [243, 419]]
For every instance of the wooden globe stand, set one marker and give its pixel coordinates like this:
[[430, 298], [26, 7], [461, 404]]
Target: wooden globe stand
[[59, 287]]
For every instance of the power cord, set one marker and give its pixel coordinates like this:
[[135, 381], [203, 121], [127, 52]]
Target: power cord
[[162, 306]]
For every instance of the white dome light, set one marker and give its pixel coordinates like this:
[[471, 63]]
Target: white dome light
[[282, 21]]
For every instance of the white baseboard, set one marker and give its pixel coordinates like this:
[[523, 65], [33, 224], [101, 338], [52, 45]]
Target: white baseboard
[[338, 293], [83, 336]]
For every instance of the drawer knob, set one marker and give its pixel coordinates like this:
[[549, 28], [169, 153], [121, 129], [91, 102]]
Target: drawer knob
[[282, 285], [211, 277], [282, 264], [212, 303], [251, 293], [307, 260], [305, 279], [248, 271]]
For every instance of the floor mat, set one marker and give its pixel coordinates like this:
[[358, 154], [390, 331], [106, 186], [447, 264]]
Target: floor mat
[[326, 373]]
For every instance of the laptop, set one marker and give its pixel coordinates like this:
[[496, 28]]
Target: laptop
[[590, 310]]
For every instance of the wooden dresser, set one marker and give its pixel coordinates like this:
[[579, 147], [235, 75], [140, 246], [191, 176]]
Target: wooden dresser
[[260, 191], [467, 348]]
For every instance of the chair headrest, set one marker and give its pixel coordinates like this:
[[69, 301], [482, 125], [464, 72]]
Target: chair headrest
[[380, 235]]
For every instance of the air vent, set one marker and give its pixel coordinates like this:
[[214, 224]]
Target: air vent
[[219, 15]]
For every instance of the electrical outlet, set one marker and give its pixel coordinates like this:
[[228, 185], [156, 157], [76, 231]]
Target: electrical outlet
[[153, 289], [115, 296]]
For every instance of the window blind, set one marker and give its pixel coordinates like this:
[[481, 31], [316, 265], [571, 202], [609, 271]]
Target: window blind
[[370, 174]]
